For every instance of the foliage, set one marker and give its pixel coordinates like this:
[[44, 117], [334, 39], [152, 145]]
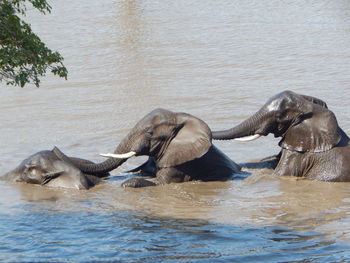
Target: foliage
[[23, 56]]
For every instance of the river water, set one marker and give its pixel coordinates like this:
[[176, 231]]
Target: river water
[[218, 60]]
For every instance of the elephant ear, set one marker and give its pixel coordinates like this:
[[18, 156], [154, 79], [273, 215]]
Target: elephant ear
[[191, 141], [315, 131], [315, 101]]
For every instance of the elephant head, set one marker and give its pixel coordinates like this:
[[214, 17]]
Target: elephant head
[[40, 168], [45, 168], [170, 138], [304, 123]]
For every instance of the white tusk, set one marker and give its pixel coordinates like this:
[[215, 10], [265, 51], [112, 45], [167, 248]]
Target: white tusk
[[248, 138], [119, 156]]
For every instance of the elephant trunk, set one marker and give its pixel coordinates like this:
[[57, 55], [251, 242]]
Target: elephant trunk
[[99, 169], [247, 130]]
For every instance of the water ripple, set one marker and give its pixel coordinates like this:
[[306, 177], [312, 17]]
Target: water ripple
[[37, 236]]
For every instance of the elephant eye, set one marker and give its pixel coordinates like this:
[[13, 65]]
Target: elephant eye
[[31, 172], [282, 115], [149, 133]]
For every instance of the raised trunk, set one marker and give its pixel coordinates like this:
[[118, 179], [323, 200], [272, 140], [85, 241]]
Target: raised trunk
[[246, 128], [99, 169]]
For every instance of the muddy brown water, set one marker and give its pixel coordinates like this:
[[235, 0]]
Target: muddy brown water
[[218, 60]]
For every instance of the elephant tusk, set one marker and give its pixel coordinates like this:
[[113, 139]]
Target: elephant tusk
[[248, 138], [119, 156]]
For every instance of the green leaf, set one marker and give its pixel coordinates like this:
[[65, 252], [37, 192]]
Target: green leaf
[[24, 58]]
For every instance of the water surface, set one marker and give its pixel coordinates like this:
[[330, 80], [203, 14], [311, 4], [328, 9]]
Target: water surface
[[217, 60]]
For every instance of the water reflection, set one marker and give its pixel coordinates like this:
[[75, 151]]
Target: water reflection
[[119, 236], [131, 33], [259, 199], [307, 205]]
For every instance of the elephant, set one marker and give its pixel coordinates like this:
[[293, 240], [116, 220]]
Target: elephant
[[313, 146], [47, 169], [179, 147]]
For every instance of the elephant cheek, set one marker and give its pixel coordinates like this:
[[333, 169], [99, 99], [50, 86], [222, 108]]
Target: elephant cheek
[[131, 143], [142, 147], [157, 148], [32, 180]]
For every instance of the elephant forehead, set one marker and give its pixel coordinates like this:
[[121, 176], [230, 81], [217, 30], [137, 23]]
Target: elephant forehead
[[273, 105], [39, 158], [155, 117], [285, 99]]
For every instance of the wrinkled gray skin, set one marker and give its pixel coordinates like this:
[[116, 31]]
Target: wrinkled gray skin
[[313, 145], [180, 150], [46, 168]]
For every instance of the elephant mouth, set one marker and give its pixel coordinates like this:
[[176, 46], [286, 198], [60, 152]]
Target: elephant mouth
[[279, 134], [281, 131]]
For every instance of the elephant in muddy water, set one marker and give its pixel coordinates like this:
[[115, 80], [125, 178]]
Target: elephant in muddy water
[[46, 168], [313, 145], [179, 146]]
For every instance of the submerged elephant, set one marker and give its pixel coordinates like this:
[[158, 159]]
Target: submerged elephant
[[179, 146], [313, 145], [46, 168]]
